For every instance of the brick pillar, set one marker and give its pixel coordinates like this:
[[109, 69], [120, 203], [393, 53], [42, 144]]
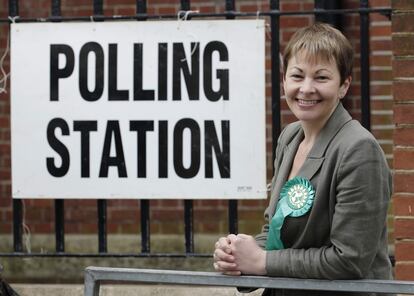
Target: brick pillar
[[403, 91]]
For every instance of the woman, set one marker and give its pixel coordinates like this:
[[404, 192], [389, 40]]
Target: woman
[[331, 188]]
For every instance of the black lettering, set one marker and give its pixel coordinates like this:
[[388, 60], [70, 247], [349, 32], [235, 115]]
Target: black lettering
[[222, 74], [85, 127], [141, 127], [83, 71], [113, 131], [140, 94], [194, 167], [114, 94], [211, 143], [162, 71], [55, 72], [192, 79], [59, 147], [163, 149]]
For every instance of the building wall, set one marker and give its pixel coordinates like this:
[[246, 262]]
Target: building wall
[[403, 89], [211, 216]]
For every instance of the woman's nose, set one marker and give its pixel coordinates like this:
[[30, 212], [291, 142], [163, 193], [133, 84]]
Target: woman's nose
[[307, 86]]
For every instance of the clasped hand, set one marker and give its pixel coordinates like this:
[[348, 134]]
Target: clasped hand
[[239, 254]]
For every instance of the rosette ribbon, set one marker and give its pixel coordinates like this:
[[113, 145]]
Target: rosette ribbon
[[296, 199]]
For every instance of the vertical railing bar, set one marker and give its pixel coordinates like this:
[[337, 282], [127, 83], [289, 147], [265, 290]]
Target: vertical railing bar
[[102, 229], [59, 203], [333, 19], [230, 6], [145, 226], [319, 4], [60, 225], [141, 7], [17, 225], [98, 7], [188, 204], [13, 8], [17, 203], [185, 5], [233, 203], [233, 216], [365, 77], [188, 226], [275, 76], [56, 8], [101, 203]]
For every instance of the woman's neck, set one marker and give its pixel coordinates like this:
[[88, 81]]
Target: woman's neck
[[311, 130]]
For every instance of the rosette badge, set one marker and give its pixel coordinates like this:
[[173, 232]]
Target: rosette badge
[[296, 199]]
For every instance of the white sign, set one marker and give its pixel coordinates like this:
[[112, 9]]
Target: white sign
[[167, 109]]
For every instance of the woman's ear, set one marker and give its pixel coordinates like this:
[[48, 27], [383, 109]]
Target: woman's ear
[[343, 89]]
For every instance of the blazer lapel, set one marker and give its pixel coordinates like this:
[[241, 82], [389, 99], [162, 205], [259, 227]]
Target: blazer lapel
[[317, 154], [289, 152], [289, 156], [310, 167]]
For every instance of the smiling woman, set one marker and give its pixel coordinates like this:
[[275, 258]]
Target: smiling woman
[[317, 75], [313, 90], [331, 189]]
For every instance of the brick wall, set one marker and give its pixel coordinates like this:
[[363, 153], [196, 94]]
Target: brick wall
[[210, 216], [403, 89], [5, 187]]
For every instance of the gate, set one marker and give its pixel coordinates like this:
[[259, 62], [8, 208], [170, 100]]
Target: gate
[[326, 11]]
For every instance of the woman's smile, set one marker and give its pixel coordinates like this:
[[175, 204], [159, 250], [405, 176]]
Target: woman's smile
[[307, 103]]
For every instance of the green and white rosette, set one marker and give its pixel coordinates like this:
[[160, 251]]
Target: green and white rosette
[[296, 199]]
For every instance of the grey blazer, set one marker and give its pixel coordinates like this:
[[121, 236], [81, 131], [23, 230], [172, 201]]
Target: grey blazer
[[344, 235]]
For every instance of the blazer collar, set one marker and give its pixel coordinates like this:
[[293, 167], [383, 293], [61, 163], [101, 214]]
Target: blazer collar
[[317, 154], [337, 120]]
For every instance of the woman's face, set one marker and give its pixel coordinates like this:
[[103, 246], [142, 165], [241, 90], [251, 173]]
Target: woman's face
[[312, 88]]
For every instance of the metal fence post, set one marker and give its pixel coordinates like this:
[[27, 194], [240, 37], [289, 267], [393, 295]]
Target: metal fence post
[[91, 286], [275, 72], [365, 79], [17, 203]]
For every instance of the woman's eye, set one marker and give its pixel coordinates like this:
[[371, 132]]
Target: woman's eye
[[296, 76], [323, 78]]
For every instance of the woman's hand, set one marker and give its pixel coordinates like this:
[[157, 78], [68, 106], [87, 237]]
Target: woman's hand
[[248, 256], [239, 254], [223, 259]]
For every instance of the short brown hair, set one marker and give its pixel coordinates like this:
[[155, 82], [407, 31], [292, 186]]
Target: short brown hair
[[321, 41]]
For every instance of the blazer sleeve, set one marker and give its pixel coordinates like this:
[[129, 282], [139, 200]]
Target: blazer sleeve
[[362, 195]]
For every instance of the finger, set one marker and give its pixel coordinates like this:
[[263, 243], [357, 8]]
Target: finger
[[220, 255], [243, 236], [226, 266], [231, 237], [226, 272], [223, 244], [216, 267], [223, 241]]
